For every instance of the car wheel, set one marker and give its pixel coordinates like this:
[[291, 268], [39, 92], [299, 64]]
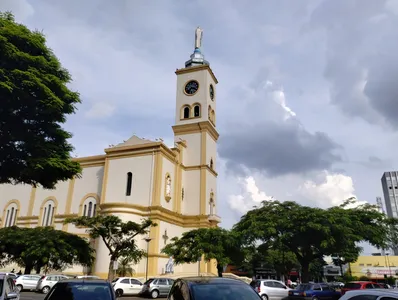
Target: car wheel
[[154, 294], [45, 290], [19, 287], [264, 297], [119, 292]]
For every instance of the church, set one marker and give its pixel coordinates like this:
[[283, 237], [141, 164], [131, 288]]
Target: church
[[138, 178]]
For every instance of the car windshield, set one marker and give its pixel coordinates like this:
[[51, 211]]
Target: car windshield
[[224, 291], [80, 291], [352, 285], [116, 279], [304, 287], [148, 281]]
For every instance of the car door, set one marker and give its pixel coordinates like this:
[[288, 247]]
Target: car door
[[281, 290], [327, 291], [11, 288], [125, 285], [30, 281], [163, 286], [135, 286]]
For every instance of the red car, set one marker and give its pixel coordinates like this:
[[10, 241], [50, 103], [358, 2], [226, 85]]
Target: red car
[[360, 285]]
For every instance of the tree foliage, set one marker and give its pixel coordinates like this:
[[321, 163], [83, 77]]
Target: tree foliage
[[124, 268], [35, 248], [211, 243], [118, 236], [35, 101], [311, 233]]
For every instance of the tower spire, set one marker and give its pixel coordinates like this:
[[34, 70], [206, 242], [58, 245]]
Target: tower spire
[[197, 58]]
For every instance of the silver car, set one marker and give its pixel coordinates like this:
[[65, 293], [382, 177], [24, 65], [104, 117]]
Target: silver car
[[8, 290], [371, 294], [46, 282], [156, 287]]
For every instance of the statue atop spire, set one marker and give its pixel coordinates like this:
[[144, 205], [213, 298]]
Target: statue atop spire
[[197, 58], [198, 37]]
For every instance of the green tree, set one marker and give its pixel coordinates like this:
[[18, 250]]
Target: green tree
[[118, 236], [35, 248], [211, 243], [35, 102], [311, 233], [124, 268], [282, 261]]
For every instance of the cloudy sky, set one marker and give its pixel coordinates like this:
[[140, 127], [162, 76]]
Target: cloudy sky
[[307, 100]]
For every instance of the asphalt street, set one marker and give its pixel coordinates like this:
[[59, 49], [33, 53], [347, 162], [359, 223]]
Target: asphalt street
[[37, 296]]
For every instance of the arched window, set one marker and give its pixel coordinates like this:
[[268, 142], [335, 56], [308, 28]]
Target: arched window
[[11, 215], [211, 163], [196, 110], [213, 116], [209, 112], [187, 112], [129, 183], [48, 213], [89, 207]]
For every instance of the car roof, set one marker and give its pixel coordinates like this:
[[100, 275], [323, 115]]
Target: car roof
[[376, 292], [2, 276], [211, 280], [83, 280]]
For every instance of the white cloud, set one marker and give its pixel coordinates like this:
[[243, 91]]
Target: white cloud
[[330, 189], [251, 196]]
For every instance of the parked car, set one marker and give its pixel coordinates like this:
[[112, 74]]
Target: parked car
[[269, 289], [156, 287], [27, 282], [46, 282], [87, 277], [77, 289], [211, 288], [314, 291], [360, 285], [371, 294], [126, 286], [8, 290]]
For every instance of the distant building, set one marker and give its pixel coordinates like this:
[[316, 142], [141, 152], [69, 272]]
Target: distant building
[[375, 267], [389, 183]]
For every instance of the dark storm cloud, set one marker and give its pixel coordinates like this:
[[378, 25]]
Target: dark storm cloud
[[361, 57], [278, 149], [272, 140]]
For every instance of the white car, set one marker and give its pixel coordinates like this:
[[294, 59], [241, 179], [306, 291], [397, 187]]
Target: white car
[[126, 286], [27, 282], [371, 294], [269, 289]]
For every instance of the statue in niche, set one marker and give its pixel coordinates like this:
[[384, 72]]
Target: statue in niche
[[170, 266], [168, 186]]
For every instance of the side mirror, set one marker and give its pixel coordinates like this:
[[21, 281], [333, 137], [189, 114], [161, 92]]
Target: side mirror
[[11, 296]]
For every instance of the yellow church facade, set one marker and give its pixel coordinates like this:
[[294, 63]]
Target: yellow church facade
[[174, 186]]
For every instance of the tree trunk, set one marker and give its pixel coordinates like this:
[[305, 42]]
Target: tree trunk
[[305, 272], [341, 270], [28, 269], [111, 272], [219, 270], [38, 268]]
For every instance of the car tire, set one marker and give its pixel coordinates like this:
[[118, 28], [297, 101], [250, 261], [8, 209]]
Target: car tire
[[154, 294], [19, 287], [119, 292], [45, 290], [264, 297]]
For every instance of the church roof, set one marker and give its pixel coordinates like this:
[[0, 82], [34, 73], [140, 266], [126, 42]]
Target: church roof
[[134, 140]]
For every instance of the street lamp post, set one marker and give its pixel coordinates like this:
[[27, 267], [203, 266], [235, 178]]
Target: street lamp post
[[199, 259], [147, 240], [388, 261]]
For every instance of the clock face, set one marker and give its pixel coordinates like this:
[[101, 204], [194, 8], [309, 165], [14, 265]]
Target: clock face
[[191, 87], [211, 91]]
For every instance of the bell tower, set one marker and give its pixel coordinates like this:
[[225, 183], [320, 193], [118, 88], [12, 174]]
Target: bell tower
[[195, 123]]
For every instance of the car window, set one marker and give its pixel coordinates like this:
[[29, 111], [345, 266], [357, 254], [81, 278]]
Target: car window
[[230, 292], [316, 287], [135, 281], [175, 292], [325, 287], [148, 281], [255, 283], [116, 279], [162, 281], [79, 291], [11, 283], [352, 286], [388, 298], [364, 297], [171, 281], [268, 283], [1, 285], [278, 285], [125, 281], [369, 286], [304, 287], [7, 287]]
